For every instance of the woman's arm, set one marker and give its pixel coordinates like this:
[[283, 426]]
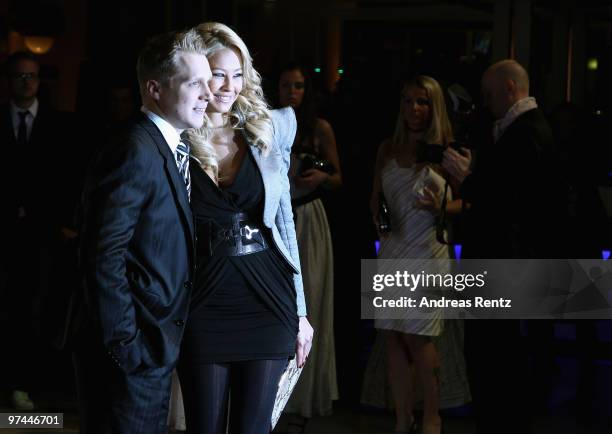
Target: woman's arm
[[305, 332], [329, 150], [432, 201], [312, 178], [381, 156]]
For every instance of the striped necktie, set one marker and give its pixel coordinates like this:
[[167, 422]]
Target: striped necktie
[[182, 163]]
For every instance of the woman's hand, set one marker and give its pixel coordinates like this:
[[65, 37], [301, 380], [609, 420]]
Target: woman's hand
[[304, 341], [429, 201], [381, 235], [374, 212], [311, 178]]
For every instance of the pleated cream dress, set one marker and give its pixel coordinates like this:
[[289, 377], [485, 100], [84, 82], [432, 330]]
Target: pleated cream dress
[[317, 387], [413, 237]]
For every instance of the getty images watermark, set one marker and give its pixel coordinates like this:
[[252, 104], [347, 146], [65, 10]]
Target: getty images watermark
[[501, 288], [428, 283]]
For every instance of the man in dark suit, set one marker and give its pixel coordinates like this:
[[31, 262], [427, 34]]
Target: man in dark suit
[[31, 177], [137, 247], [511, 195], [512, 190]]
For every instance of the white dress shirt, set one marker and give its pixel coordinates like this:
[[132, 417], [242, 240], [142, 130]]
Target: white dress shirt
[[170, 134], [517, 109]]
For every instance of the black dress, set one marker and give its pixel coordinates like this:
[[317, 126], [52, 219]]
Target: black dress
[[243, 307]]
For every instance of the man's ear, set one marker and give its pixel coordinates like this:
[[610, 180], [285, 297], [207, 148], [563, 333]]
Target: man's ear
[[154, 89], [510, 85]]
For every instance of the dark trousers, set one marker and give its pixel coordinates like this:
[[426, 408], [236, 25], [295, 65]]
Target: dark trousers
[[27, 274], [497, 369], [114, 402]]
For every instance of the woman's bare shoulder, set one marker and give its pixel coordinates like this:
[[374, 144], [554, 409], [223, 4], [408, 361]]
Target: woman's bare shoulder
[[323, 128]]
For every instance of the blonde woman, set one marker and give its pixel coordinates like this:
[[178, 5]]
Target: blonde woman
[[422, 119], [247, 315]]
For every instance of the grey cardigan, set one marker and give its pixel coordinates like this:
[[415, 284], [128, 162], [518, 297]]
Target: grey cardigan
[[277, 214]]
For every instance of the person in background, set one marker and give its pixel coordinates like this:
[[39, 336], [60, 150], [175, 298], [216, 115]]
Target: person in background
[[413, 190], [34, 220], [516, 210], [121, 107], [314, 141]]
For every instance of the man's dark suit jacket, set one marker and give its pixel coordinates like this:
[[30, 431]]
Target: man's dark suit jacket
[[33, 191], [32, 178], [516, 204], [515, 193], [136, 251]]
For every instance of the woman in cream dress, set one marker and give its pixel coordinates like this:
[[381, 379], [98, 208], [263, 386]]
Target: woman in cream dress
[[412, 191]]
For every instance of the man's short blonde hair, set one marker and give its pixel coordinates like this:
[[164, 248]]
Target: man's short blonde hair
[[158, 58]]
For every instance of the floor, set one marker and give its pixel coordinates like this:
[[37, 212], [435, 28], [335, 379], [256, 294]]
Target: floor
[[352, 421]]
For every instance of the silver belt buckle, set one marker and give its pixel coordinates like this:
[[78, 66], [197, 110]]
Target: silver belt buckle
[[247, 232]]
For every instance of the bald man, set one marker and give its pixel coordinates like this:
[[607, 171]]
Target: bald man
[[511, 190], [505, 84], [514, 203]]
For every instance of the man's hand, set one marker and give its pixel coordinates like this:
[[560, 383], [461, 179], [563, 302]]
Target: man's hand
[[457, 164], [303, 342]]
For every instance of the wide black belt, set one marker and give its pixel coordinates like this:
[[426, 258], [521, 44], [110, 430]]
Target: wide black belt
[[237, 236]]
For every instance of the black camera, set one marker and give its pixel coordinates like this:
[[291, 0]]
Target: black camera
[[433, 153], [310, 161]]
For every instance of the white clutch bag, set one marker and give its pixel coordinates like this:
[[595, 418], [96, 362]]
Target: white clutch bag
[[428, 178], [285, 387]]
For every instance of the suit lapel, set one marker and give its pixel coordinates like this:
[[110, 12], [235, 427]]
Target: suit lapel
[[7, 126], [174, 177], [36, 125]]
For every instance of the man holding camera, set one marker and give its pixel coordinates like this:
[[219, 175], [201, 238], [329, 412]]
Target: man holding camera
[[507, 189], [511, 199]]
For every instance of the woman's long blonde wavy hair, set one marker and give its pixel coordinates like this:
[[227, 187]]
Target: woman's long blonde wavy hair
[[250, 110]]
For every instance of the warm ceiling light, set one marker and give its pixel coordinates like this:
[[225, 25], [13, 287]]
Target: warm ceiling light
[[38, 44]]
